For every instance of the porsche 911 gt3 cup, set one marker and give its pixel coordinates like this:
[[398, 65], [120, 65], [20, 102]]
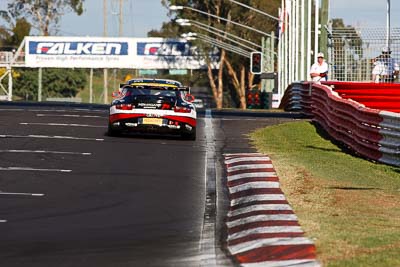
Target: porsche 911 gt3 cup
[[153, 105]]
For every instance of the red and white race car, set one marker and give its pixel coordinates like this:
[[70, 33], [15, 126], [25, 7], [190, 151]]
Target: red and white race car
[[153, 105]]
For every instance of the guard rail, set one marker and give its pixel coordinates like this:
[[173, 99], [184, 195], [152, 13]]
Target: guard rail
[[369, 132]]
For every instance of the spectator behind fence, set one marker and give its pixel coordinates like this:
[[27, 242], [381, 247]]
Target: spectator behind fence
[[319, 70], [386, 69]]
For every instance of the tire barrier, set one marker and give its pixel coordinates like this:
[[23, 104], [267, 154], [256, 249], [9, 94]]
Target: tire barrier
[[262, 227], [369, 132]]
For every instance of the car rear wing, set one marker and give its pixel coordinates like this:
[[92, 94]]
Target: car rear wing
[[164, 86]]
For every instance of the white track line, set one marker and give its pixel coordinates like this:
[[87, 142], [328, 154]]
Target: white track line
[[12, 109], [69, 116], [262, 218], [207, 238], [62, 124], [263, 197], [251, 175], [266, 230], [32, 169], [76, 110], [46, 152], [3, 221], [50, 137], [284, 241], [286, 263], [259, 207], [230, 155], [241, 159], [253, 185], [22, 194], [250, 167]]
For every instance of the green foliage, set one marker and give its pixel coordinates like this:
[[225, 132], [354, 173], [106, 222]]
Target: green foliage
[[56, 83], [22, 28], [347, 204], [12, 39], [229, 11], [167, 30], [42, 14]]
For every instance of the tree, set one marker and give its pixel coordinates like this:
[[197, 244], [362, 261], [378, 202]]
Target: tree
[[11, 39], [43, 15], [56, 83], [347, 51], [233, 67]]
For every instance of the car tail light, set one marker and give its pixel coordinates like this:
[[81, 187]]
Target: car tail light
[[182, 109], [124, 106], [166, 106]]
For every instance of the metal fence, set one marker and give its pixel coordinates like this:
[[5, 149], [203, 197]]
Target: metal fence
[[352, 51]]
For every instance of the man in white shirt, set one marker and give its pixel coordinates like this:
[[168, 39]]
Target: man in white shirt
[[319, 70], [386, 69]]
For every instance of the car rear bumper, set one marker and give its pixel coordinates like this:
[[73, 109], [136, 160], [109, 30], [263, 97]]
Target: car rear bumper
[[141, 123]]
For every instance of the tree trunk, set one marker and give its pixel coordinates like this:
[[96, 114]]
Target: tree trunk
[[251, 79], [243, 88], [239, 85], [212, 82], [220, 98], [217, 90]]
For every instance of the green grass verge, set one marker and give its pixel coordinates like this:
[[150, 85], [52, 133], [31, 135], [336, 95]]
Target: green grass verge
[[349, 206]]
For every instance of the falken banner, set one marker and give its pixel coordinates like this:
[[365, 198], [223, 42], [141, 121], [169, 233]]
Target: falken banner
[[127, 53]]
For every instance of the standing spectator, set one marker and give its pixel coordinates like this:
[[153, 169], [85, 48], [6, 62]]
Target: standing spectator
[[385, 68], [319, 70]]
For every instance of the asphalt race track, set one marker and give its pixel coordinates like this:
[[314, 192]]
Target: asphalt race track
[[72, 196]]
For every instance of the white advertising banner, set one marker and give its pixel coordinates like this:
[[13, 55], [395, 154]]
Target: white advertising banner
[[127, 53], [77, 52]]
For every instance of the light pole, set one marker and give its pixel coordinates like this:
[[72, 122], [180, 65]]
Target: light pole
[[187, 22], [174, 8], [388, 25], [255, 9], [316, 30], [218, 43], [269, 57]]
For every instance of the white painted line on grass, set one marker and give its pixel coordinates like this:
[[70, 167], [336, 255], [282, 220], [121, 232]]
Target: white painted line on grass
[[286, 263], [70, 116], [32, 169], [266, 230], [62, 124], [250, 167], [50, 137], [262, 218], [263, 197], [283, 241], [46, 152], [22, 194], [251, 175], [236, 160], [259, 207], [253, 185]]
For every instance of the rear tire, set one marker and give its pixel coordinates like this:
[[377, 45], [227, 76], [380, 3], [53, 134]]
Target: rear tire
[[190, 136], [112, 132]]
